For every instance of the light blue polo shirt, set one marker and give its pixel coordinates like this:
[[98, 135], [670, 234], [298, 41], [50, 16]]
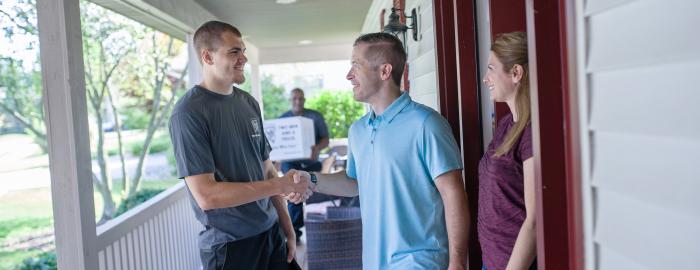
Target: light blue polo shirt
[[395, 158]]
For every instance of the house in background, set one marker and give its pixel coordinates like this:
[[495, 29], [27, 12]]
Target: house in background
[[615, 120]]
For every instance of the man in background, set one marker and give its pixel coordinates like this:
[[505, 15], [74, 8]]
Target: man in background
[[297, 100]]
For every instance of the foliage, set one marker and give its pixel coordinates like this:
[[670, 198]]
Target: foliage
[[274, 101], [107, 40], [158, 145], [138, 198], [136, 118], [129, 67], [20, 78], [339, 109], [45, 261]]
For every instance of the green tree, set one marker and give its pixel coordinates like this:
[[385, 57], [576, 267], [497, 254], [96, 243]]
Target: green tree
[[122, 59], [22, 99], [162, 89], [20, 88], [339, 109], [274, 101], [126, 59], [107, 40]]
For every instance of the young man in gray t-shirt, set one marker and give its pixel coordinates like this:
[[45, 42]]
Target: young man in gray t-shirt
[[222, 154]]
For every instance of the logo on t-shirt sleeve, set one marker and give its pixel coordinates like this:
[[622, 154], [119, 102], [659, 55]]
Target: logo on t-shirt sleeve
[[256, 127]]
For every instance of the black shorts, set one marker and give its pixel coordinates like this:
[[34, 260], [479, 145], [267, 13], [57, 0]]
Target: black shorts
[[265, 251]]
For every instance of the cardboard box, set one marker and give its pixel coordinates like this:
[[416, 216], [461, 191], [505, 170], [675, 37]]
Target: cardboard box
[[291, 138]]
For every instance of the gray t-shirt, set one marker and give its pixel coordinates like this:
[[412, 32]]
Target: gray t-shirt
[[222, 134]]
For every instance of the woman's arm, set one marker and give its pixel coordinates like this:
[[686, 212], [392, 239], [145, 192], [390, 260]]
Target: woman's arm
[[525, 248]]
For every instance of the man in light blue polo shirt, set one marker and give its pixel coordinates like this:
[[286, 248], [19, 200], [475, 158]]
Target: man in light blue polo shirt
[[406, 166]]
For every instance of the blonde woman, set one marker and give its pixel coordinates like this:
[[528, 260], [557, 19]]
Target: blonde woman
[[506, 219]]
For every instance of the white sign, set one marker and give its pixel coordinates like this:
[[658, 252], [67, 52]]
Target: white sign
[[291, 138]]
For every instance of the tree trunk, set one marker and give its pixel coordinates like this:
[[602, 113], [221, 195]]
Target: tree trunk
[[118, 129], [109, 208], [156, 122], [105, 210]]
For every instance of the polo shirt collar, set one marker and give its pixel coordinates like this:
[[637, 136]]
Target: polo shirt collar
[[393, 110]]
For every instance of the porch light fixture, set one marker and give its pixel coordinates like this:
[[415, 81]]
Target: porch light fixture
[[284, 2], [395, 27]]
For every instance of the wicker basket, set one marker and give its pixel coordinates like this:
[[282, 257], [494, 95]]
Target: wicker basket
[[334, 241]]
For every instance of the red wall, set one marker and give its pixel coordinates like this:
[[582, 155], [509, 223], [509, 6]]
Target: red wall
[[457, 77]]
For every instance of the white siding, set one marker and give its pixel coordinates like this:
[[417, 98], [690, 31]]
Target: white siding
[[637, 64], [422, 64]]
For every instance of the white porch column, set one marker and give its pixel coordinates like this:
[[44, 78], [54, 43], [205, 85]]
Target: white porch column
[[194, 68], [253, 54], [256, 90], [63, 80]]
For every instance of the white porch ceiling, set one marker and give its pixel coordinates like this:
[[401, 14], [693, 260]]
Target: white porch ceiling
[[270, 25]]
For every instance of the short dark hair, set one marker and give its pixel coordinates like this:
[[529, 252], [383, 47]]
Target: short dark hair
[[208, 36], [297, 89], [385, 48]]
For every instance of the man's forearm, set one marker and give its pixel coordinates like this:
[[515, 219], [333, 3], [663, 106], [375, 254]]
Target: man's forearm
[[232, 194], [338, 184], [283, 214], [454, 199], [269, 169], [457, 220]]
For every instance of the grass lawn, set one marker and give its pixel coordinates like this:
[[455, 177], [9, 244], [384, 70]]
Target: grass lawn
[[27, 211]]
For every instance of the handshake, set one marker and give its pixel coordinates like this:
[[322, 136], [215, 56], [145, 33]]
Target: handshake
[[297, 186]]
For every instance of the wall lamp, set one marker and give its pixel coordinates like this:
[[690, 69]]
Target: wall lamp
[[395, 27]]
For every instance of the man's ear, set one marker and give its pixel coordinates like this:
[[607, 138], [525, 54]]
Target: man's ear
[[385, 70], [207, 57]]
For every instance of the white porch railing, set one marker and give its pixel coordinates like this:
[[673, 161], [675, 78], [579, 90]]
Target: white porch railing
[[161, 233]]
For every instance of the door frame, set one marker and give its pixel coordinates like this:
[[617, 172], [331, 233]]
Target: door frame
[[458, 94]]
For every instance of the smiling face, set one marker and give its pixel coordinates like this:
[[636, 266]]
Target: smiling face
[[365, 79], [229, 59], [502, 84], [297, 99]]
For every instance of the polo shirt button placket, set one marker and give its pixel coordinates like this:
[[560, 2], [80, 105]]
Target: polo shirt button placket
[[374, 132], [375, 123]]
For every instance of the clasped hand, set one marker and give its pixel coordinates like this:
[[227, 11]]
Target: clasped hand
[[298, 187]]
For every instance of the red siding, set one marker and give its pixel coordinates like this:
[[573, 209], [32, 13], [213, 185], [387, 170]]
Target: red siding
[[558, 213], [457, 77]]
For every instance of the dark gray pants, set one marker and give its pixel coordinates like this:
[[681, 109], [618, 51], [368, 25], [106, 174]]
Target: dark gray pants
[[265, 251]]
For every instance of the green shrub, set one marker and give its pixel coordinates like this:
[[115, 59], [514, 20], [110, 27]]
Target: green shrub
[[135, 118], [138, 198], [112, 151], [45, 261], [159, 144], [274, 101], [339, 109]]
